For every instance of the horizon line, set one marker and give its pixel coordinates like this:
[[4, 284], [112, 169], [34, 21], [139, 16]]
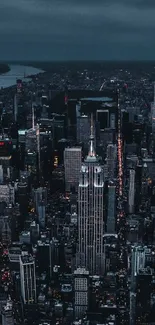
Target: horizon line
[[77, 60]]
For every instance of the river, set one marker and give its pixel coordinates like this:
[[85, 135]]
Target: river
[[9, 78]]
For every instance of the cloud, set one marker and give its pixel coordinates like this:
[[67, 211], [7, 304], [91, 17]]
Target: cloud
[[50, 24]]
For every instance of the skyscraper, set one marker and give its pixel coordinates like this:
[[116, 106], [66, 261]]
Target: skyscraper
[[41, 201], [83, 129], [90, 213], [81, 277], [27, 278], [111, 160], [1, 174], [72, 163], [7, 313], [131, 197], [111, 208]]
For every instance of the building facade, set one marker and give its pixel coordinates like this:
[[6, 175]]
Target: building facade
[[28, 278], [72, 164], [90, 213]]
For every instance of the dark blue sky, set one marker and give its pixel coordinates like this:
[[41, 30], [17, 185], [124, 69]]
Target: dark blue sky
[[77, 29]]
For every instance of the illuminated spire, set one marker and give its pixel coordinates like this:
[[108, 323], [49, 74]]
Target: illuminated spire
[[92, 152]]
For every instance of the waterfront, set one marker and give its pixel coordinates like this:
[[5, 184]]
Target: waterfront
[[9, 78]]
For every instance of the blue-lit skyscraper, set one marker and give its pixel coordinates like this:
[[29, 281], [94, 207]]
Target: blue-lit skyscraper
[[90, 213]]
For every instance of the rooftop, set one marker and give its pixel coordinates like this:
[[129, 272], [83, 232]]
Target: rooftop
[[26, 258]]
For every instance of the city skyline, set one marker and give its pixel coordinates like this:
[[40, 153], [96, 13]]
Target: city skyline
[[58, 30]]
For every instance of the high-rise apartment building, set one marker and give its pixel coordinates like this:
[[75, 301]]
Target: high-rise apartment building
[[90, 213], [81, 278], [72, 163], [27, 278]]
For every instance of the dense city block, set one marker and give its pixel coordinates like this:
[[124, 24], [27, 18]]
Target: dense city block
[[77, 195]]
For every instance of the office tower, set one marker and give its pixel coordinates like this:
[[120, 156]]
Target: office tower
[[58, 128], [40, 196], [83, 130], [31, 140], [22, 194], [5, 154], [131, 197], [111, 208], [1, 174], [112, 121], [6, 231], [90, 213], [7, 194], [31, 162], [132, 308], [132, 229], [111, 158], [41, 215], [137, 263], [43, 255], [72, 163], [102, 116], [81, 278], [7, 313], [27, 278], [55, 255], [34, 230], [143, 296], [78, 110], [41, 202]]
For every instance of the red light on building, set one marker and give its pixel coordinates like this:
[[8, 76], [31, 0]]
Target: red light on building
[[66, 100], [2, 143]]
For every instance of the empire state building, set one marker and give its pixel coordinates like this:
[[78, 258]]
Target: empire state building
[[90, 213]]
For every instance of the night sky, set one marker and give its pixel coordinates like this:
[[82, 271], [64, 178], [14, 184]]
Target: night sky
[[77, 29]]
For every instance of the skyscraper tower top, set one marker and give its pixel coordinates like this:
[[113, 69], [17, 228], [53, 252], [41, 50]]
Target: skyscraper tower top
[[91, 153]]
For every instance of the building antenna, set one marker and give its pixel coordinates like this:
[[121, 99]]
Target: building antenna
[[38, 147], [91, 152], [33, 126]]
